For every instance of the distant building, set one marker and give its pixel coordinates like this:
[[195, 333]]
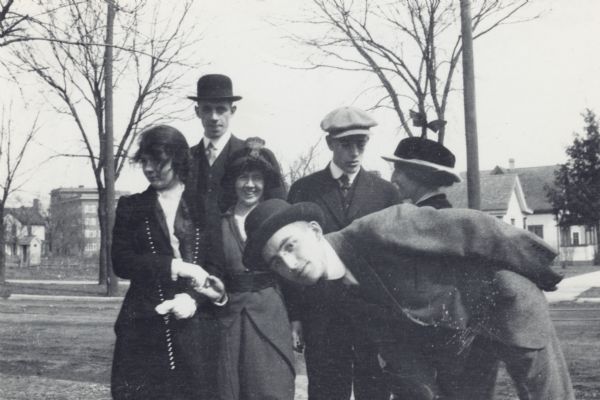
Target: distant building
[[25, 234], [74, 225], [518, 197]]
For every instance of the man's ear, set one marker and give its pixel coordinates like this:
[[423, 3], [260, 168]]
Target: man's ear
[[233, 108], [316, 228], [197, 110]]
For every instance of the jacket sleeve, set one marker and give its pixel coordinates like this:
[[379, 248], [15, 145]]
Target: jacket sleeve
[[459, 233], [129, 263]]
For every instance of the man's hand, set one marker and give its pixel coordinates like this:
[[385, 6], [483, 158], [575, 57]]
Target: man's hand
[[212, 287], [181, 306], [180, 268], [297, 336]]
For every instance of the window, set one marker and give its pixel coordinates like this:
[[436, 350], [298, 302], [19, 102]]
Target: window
[[537, 229], [90, 222], [575, 238], [90, 209], [90, 233]]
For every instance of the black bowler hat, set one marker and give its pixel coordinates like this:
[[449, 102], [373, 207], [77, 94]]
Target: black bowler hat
[[427, 154], [214, 87], [267, 218]]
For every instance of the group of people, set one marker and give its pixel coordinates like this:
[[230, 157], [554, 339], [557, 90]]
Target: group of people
[[390, 292]]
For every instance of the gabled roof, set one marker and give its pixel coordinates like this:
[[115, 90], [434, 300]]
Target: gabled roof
[[27, 215], [498, 184], [496, 191], [534, 181]]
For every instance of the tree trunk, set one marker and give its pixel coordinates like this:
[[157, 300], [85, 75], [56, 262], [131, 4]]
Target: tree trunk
[[102, 221], [109, 162], [2, 248]]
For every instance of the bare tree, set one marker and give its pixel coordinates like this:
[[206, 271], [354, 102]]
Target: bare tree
[[12, 23], [303, 165], [11, 177], [70, 62], [411, 46]]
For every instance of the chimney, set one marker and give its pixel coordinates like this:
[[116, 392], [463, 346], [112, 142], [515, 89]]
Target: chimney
[[36, 205], [511, 163]]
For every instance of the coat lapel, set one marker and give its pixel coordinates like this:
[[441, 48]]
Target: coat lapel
[[362, 191], [330, 196]]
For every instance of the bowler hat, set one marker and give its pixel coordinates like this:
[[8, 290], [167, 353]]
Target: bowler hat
[[427, 154], [214, 87], [267, 218], [346, 121]]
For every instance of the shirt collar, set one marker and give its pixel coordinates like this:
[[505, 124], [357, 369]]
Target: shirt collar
[[336, 172], [219, 142], [428, 195]]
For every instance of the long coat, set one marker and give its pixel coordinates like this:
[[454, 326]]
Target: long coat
[[337, 358], [453, 268], [159, 357], [256, 359]]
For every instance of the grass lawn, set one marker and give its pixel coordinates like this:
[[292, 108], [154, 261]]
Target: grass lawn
[[63, 349]]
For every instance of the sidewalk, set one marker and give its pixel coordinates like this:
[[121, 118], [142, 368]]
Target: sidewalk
[[571, 288]]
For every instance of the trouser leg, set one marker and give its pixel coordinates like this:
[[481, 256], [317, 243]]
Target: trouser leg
[[328, 357], [368, 377], [539, 374]]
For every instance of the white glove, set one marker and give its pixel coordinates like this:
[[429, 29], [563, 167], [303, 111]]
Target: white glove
[[181, 306], [180, 268]]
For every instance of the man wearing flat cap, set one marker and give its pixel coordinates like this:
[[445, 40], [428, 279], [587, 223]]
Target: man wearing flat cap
[[215, 108], [337, 361], [441, 293]]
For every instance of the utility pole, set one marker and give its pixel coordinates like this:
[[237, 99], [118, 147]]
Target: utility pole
[[473, 187], [109, 162]]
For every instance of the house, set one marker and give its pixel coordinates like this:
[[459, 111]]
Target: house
[[74, 225], [518, 196], [25, 233]]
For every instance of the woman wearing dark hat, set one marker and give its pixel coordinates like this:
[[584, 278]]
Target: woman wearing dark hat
[[165, 330], [255, 358], [422, 167]]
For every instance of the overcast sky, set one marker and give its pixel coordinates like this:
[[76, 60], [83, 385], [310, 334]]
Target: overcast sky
[[533, 81]]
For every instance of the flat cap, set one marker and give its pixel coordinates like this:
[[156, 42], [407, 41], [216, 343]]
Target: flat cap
[[346, 121]]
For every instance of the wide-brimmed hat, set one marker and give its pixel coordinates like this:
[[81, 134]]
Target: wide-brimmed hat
[[267, 218], [347, 121], [214, 87], [427, 154]]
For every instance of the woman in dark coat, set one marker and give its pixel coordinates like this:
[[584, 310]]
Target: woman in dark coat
[[158, 234], [256, 358]]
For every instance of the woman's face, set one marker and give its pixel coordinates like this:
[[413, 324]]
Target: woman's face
[[249, 187], [159, 173]]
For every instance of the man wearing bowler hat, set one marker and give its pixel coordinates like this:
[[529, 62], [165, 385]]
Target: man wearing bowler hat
[[215, 108], [443, 294], [337, 360]]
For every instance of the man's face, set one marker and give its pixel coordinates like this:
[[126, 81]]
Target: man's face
[[215, 116], [296, 253], [406, 186], [348, 152]]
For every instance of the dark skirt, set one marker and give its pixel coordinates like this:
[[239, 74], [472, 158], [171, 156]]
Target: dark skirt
[[142, 367]]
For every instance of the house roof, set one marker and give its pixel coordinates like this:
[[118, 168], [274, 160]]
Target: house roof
[[27, 215], [534, 181], [498, 184], [496, 191]]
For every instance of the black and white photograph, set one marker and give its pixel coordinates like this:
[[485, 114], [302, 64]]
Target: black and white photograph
[[299, 199]]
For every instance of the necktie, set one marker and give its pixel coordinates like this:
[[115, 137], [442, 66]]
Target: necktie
[[211, 153], [344, 184]]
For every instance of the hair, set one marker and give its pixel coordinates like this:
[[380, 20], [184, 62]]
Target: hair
[[426, 176], [254, 157], [164, 143]]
